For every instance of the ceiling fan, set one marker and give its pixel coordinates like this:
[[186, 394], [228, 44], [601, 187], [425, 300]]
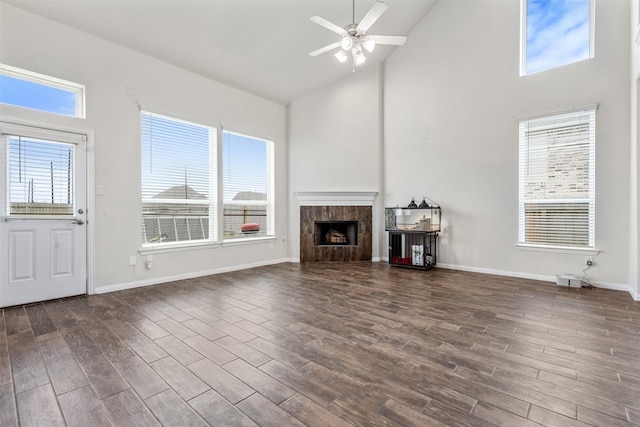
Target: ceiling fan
[[354, 36]]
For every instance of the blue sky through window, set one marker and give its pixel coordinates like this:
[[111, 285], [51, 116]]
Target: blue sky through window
[[245, 165], [558, 33], [37, 96]]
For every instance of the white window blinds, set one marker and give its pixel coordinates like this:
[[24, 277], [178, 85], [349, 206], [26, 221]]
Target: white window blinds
[[248, 186], [557, 180], [41, 176], [178, 180]]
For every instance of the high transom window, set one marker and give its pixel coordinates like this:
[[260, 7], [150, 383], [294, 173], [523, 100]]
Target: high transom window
[[555, 33], [39, 92]]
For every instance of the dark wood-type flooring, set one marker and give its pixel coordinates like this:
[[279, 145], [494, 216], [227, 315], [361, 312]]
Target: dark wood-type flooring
[[331, 344]]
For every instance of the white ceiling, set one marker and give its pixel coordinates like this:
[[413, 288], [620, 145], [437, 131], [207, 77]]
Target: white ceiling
[[260, 46]]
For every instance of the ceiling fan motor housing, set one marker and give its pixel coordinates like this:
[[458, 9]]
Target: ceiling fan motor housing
[[352, 29], [353, 38]]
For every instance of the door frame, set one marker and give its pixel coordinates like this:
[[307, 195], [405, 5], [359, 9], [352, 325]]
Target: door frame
[[7, 122]]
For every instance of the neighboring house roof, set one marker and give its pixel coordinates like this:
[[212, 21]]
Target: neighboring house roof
[[180, 192], [250, 195]]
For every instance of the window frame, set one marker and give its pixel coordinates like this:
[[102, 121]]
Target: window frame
[[270, 184], [523, 38], [48, 134], [590, 199], [211, 202], [48, 81]]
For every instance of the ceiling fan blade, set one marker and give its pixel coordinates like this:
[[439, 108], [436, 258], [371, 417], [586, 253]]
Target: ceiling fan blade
[[372, 16], [329, 25], [391, 40], [322, 50]]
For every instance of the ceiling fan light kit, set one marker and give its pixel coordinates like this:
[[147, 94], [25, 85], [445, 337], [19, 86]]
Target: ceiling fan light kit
[[354, 36], [341, 56]]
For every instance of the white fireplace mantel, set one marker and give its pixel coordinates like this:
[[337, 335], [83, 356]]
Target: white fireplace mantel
[[336, 198]]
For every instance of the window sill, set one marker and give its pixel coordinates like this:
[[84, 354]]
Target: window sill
[[248, 240], [557, 249], [161, 249]]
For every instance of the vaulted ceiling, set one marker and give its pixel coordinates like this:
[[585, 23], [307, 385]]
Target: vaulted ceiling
[[260, 46]]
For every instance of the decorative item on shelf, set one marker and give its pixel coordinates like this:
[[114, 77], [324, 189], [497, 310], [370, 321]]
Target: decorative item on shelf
[[413, 203], [423, 204], [396, 259], [424, 223], [417, 251]]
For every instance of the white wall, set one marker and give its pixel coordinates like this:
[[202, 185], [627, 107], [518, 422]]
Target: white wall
[[634, 223], [452, 100], [335, 143], [117, 81]]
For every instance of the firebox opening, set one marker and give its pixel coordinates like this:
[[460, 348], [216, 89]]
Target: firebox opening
[[336, 233]]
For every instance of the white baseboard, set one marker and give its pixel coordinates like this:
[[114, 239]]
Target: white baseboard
[[374, 259], [190, 275], [545, 278]]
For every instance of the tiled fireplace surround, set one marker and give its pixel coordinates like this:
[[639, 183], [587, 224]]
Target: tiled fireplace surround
[[335, 206]]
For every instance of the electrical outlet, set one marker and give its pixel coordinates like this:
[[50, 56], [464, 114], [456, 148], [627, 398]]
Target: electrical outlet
[[588, 260], [132, 260]]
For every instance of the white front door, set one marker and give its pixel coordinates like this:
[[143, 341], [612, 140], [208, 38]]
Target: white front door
[[43, 251]]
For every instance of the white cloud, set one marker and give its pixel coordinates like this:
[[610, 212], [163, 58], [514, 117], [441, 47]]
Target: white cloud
[[557, 33]]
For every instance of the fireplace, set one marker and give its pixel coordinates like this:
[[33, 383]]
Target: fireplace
[[335, 233]]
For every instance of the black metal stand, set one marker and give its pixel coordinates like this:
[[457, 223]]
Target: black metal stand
[[413, 249]]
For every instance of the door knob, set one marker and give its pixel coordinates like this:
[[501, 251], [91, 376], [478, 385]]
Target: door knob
[[78, 221]]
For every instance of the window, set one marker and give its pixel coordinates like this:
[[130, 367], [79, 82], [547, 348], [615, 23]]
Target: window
[[37, 91], [555, 33], [178, 180], [248, 186], [557, 180], [183, 183], [41, 177]]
